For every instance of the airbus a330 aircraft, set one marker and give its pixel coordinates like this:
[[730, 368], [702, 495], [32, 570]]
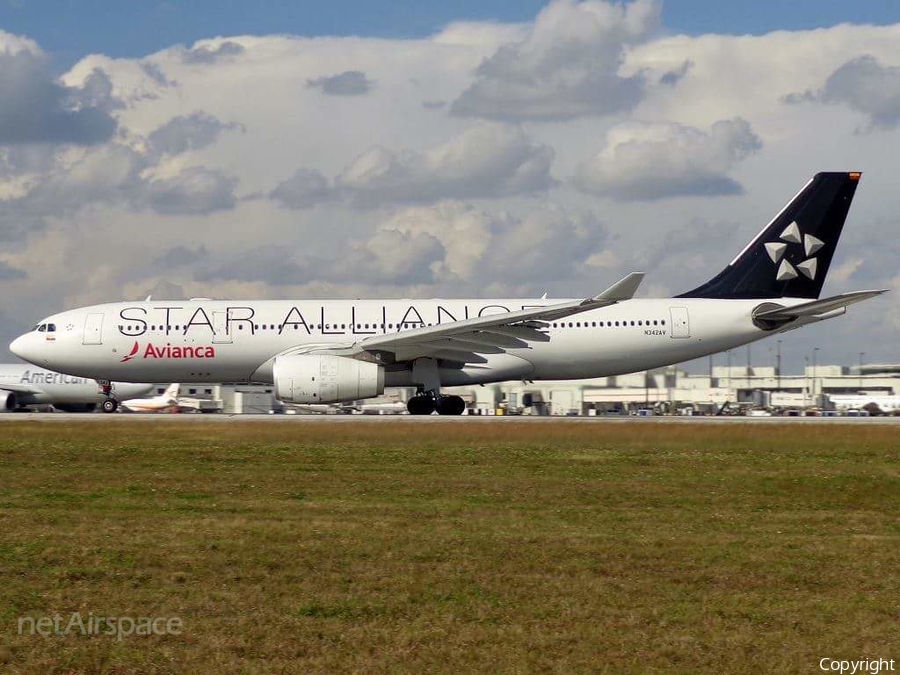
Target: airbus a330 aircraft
[[338, 350], [22, 386]]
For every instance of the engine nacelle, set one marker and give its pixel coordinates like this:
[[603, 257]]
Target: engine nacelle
[[310, 378], [8, 401]]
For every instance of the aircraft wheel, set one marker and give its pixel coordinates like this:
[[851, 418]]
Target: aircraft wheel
[[451, 405], [420, 405], [110, 405]]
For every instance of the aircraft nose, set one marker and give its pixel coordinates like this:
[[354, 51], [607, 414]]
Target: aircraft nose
[[18, 346]]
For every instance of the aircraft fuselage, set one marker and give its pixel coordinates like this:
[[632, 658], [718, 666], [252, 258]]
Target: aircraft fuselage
[[234, 341]]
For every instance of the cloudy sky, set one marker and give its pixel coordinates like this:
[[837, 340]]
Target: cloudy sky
[[200, 149]]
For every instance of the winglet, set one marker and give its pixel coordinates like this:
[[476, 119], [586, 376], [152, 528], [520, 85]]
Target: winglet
[[624, 289]]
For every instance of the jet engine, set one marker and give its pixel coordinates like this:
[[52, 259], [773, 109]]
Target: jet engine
[[311, 378], [8, 400]]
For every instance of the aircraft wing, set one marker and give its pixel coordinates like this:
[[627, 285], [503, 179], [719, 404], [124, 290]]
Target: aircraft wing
[[467, 340], [21, 388], [817, 307]]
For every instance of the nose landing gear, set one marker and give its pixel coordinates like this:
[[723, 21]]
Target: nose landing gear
[[110, 404]]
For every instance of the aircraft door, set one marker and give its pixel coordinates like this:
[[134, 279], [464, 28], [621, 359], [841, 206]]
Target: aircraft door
[[221, 334], [93, 329], [681, 325]]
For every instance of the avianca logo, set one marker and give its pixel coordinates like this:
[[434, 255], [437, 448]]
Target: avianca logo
[[151, 351], [131, 354]]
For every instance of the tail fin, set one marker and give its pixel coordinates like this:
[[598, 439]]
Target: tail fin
[[172, 390], [791, 256]]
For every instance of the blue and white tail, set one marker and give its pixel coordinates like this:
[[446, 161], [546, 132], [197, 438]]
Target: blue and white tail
[[792, 254]]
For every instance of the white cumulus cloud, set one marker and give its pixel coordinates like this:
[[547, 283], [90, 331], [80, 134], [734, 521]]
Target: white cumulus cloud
[[658, 161], [567, 66]]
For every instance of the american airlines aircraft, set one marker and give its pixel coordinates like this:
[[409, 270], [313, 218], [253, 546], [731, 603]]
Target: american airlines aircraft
[[338, 350], [22, 386]]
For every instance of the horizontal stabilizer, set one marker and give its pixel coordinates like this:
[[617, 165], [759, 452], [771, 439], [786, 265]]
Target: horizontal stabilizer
[[816, 307]]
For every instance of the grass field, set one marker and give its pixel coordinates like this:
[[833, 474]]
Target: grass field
[[460, 548]]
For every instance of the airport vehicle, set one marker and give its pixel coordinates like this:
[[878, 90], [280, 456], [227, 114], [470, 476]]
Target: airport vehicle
[[324, 351], [23, 386], [168, 400]]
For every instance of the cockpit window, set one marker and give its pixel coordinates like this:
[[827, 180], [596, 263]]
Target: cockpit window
[[42, 328], [51, 327]]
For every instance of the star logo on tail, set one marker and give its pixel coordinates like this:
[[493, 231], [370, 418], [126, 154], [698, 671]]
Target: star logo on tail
[[793, 235]]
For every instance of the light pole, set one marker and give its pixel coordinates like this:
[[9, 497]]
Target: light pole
[[861, 355], [778, 366], [728, 354], [805, 381], [815, 384]]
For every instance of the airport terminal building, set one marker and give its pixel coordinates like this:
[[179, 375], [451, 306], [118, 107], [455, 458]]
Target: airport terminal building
[[665, 391]]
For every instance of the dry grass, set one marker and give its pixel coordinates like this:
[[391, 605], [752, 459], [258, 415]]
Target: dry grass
[[406, 548]]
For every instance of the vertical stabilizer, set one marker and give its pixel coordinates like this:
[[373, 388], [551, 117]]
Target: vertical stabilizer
[[791, 256]]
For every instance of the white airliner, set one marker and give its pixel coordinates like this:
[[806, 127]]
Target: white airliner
[[885, 403], [22, 386], [168, 400], [338, 350]]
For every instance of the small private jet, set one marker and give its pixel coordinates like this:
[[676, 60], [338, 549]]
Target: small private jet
[[167, 401]]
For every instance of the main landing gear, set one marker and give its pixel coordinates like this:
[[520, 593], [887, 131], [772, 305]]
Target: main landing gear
[[429, 399], [110, 404], [425, 404]]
